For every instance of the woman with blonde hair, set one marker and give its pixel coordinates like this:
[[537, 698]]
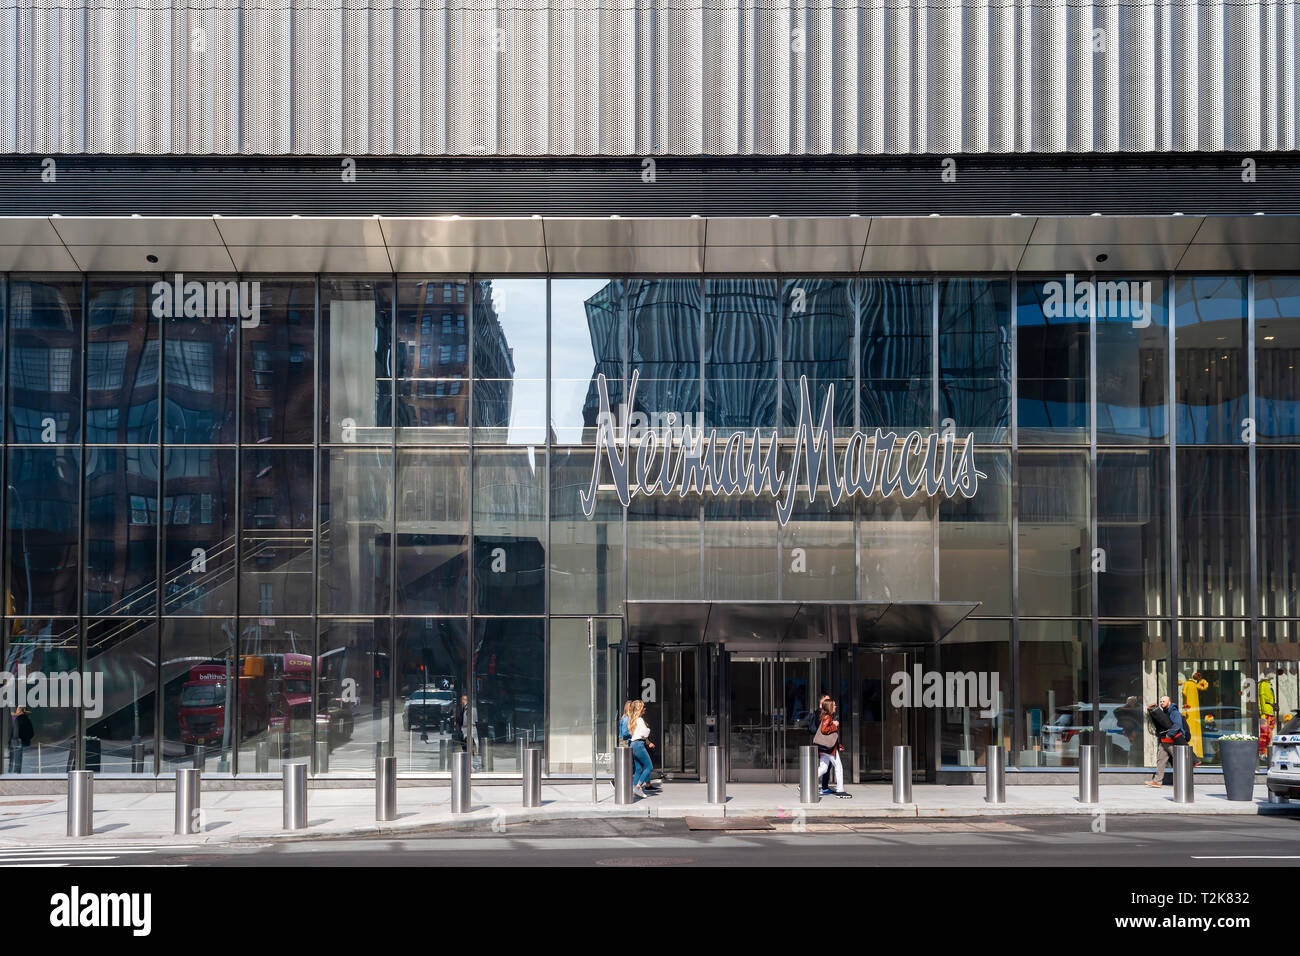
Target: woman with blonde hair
[[640, 731]]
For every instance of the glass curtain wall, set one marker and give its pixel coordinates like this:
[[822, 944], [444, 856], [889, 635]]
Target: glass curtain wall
[[353, 516]]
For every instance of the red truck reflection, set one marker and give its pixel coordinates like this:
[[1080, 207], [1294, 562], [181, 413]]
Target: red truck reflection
[[291, 704], [204, 698]]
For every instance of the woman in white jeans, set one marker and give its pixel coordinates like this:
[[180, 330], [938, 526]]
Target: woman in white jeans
[[828, 743]]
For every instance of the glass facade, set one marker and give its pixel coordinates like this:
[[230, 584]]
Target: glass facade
[[355, 520]]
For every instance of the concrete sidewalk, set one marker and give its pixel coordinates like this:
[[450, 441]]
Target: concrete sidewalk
[[255, 815]]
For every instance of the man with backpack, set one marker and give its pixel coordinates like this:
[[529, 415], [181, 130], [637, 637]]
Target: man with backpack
[[1167, 724]]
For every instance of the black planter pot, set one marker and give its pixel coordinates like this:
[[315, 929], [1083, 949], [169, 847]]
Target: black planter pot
[[1239, 759]]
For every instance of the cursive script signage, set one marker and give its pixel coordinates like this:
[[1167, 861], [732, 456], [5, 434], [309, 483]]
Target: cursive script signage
[[686, 461]]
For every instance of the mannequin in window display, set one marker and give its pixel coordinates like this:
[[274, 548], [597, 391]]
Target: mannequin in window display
[[1192, 688], [1267, 714]]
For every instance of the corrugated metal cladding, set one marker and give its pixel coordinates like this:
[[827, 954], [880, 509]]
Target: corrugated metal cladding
[[639, 77]]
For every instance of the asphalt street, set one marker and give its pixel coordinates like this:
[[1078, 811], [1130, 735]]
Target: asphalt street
[[1028, 841]]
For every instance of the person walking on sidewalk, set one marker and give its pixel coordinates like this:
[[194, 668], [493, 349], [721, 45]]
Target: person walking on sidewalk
[[1168, 725], [640, 754], [828, 744], [21, 739]]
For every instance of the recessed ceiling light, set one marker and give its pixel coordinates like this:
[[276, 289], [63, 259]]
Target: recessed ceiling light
[[1268, 338], [1102, 257], [151, 258]]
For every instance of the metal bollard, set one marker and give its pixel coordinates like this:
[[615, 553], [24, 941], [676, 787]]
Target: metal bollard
[[137, 756], [489, 760], [188, 784], [995, 775], [295, 795], [262, 757], [521, 744], [1184, 783], [717, 775], [809, 763], [903, 774], [322, 756], [444, 754], [200, 757], [385, 789], [1089, 773], [460, 796], [81, 803], [623, 775], [532, 763]]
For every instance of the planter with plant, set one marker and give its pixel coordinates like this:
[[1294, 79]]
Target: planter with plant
[[1239, 757]]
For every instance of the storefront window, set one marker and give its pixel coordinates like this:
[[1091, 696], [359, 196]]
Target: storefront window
[[1053, 362], [279, 365], [429, 655], [740, 538], [588, 338], [817, 551], [740, 355], [1278, 509], [121, 541], [819, 322], [121, 364], [1277, 691], [1132, 360], [432, 532], [200, 671], [47, 742], [356, 529], [1277, 347], [1133, 532], [663, 548], [276, 676], [277, 531], [1210, 371], [1054, 533], [43, 503], [509, 530], [1214, 684], [1056, 714], [978, 655], [352, 703], [586, 561], [433, 360], [571, 740], [975, 357], [1213, 535], [510, 361], [356, 323], [664, 347], [975, 539], [199, 391], [897, 360], [198, 522], [507, 704], [1133, 674], [897, 538], [45, 361], [119, 718]]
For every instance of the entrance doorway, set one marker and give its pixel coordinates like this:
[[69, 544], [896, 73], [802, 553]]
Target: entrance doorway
[[883, 726], [768, 699], [670, 678]]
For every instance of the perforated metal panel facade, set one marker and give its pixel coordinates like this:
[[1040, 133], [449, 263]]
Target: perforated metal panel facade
[[636, 77]]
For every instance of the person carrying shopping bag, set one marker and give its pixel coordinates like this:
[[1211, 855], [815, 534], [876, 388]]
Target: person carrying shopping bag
[[828, 744], [640, 752]]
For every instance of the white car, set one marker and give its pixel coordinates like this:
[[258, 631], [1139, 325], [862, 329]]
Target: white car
[[1284, 764]]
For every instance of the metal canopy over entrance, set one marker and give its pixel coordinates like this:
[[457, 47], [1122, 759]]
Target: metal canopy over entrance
[[883, 623]]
